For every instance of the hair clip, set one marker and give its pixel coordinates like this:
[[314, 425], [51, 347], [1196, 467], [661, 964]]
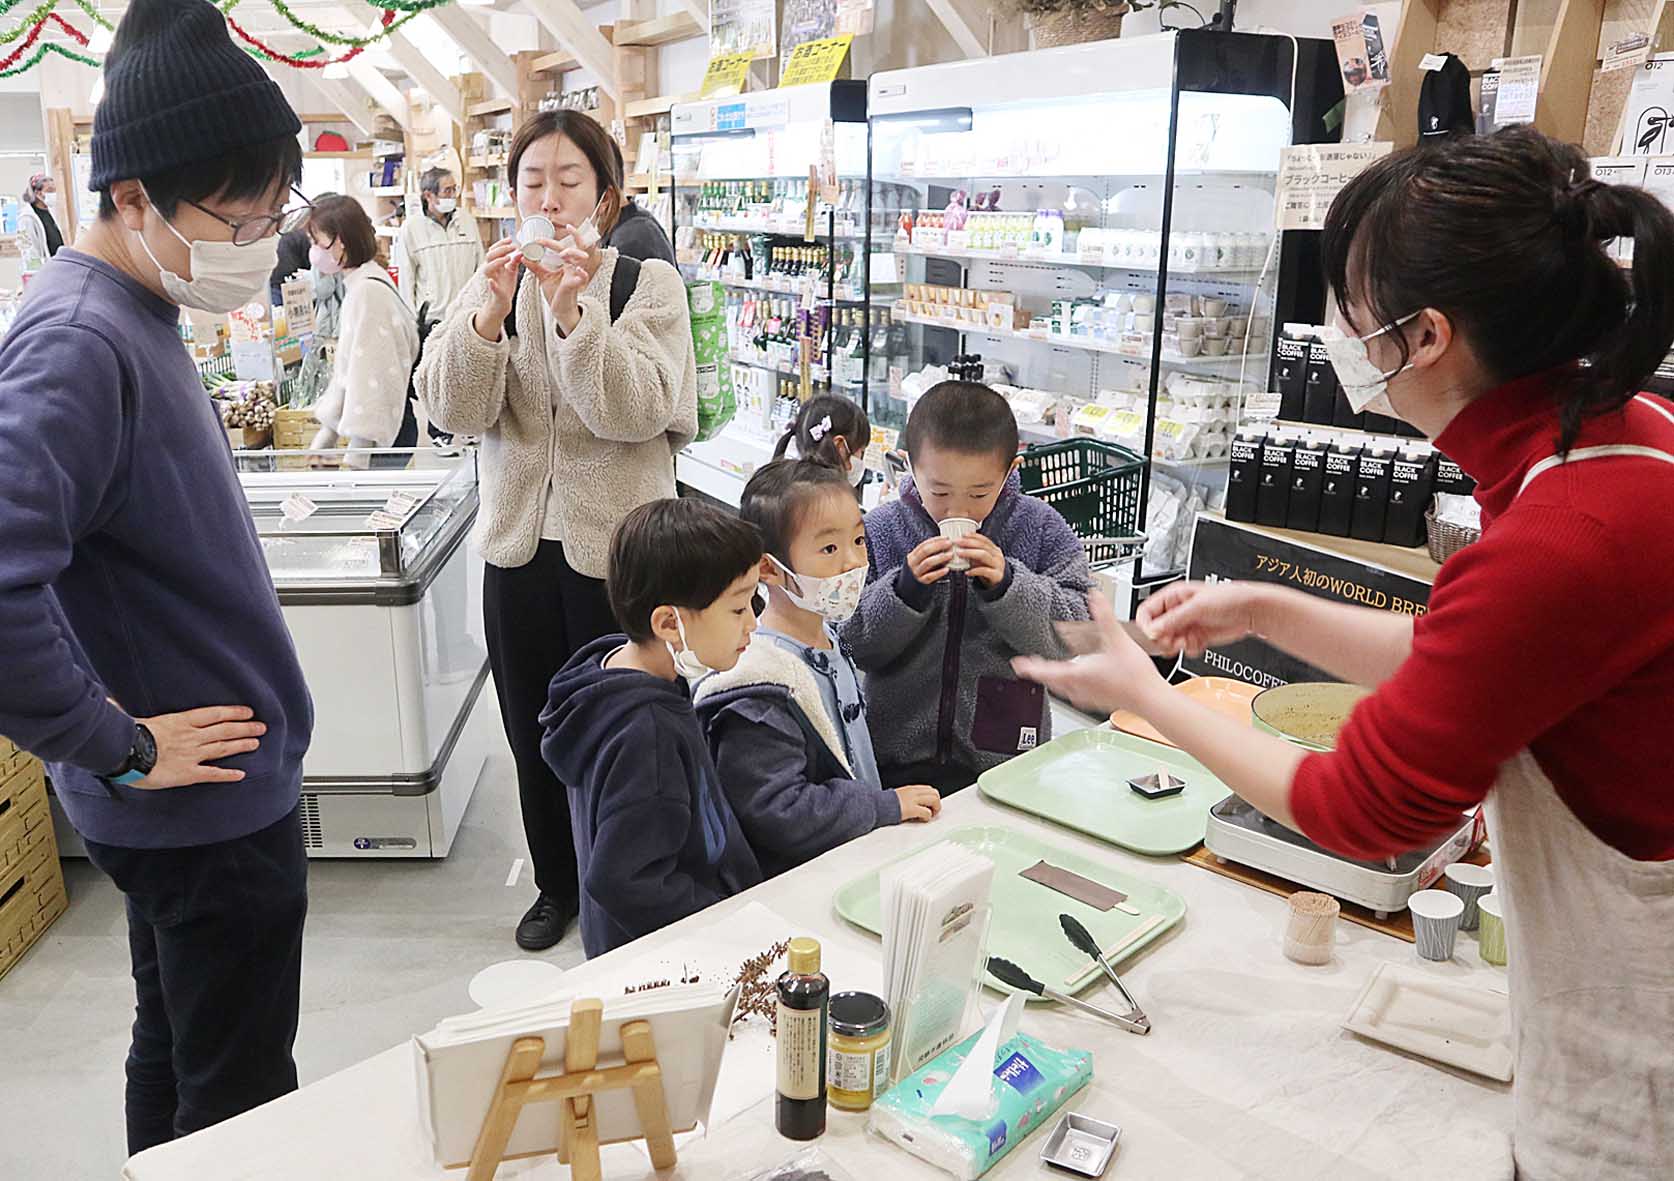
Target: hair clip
[[819, 429]]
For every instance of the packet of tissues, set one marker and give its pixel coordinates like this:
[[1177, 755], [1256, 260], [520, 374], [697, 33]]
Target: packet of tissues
[[1028, 1081]]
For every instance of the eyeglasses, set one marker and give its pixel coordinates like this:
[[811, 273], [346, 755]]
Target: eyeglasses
[[249, 230]]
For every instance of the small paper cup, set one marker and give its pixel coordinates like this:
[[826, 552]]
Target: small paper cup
[[1491, 930], [1190, 328], [1213, 306], [529, 234], [1145, 303], [1192, 347], [1470, 883], [1435, 922], [953, 529], [1312, 929], [1144, 321]]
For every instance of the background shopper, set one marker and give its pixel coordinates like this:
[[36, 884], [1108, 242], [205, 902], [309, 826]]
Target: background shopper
[[35, 222], [377, 341], [1493, 319], [146, 657], [440, 248], [581, 413]]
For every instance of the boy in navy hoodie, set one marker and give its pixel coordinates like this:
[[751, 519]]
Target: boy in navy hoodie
[[655, 839]]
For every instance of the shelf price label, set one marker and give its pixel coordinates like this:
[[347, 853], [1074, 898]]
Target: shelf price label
[[816, 61], [726, 75]]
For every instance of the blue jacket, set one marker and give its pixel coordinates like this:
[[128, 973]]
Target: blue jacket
[[655, 839], [938, 658], [781, 760], [130, 567]]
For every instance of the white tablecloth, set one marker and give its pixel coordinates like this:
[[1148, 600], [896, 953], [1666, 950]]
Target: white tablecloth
[[1245, 1074]]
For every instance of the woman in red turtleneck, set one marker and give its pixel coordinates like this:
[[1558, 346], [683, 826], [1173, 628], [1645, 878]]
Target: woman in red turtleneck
[[1541, 681]]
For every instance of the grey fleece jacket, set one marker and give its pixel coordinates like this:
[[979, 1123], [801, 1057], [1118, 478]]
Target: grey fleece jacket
[[938, 658]]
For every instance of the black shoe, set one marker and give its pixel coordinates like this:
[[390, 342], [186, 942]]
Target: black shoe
[[545, 923]]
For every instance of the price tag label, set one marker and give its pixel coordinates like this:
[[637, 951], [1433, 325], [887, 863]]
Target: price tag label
[[1627, 53], [812, 206], [1519, 91], [400, 503], [1263, 404], [897, 375], [382, 522], [1432, 62], [810, 294], [816, 61], [725, 75], [298, 507]]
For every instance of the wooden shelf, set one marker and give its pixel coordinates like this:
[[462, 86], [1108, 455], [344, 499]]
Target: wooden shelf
[[650, 108], [485, 162], [362, 154], [389, 191], [497, 214], [561, 62], [676, 26], [492, 106], [639, 182]]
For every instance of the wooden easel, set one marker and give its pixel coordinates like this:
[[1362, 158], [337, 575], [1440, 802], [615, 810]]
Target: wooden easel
[[575, 1088]]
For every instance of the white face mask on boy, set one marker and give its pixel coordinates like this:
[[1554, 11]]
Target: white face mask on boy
[[686, 662]]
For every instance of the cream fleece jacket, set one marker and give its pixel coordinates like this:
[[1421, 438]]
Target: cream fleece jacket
[[600, 414]]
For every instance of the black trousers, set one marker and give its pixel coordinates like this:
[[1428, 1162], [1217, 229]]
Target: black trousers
[[215, 935], [539, 615]]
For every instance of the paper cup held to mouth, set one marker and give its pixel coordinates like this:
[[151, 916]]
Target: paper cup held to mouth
[[531, 232], [953, 529]]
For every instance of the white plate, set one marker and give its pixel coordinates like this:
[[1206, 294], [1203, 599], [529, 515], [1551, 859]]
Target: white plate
[[1460, 1025]]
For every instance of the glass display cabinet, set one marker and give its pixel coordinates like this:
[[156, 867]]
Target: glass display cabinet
[[770, 202], [1090, 230]]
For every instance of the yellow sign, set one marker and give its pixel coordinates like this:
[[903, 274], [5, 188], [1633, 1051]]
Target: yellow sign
[[816, 61], [726, 75]]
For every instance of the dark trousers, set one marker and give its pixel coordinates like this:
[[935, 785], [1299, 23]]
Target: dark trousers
[[215, 935], [539, 615], [946, 778]]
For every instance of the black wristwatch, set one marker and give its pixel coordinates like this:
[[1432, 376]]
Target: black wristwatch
[[142, 757]]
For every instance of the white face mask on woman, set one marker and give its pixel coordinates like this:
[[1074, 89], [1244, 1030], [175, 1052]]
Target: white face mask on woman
[[225, 276], [1364, 385]]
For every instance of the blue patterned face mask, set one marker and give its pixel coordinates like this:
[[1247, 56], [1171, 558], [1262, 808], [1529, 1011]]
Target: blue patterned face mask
[[835, 598]]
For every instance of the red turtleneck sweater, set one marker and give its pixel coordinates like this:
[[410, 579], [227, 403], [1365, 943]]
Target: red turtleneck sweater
[[1555, 632]]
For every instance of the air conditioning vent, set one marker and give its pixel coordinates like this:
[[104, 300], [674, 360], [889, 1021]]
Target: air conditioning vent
[[312, 835]]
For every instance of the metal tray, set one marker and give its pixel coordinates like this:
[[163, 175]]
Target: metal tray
[[1238, 832], [1024, 928], [1081, 781]]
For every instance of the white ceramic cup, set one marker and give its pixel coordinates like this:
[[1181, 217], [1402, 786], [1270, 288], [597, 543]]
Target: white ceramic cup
[[953, 529], [1192, 347], [1470, 883], [1435, 922], [530, 232], [1144, 322], [1214, 346], [1190, 328], [1145, 303], [1213, 306]]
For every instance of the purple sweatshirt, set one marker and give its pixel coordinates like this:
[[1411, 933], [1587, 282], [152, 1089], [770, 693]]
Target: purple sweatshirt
[[937, 658], [129, 565]]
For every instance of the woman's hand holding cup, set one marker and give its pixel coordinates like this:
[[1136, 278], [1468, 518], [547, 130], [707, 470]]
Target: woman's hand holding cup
[[500, 270]]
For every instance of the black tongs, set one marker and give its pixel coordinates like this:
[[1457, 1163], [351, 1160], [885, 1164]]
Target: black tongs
[[1009, 973], [1084, 941]]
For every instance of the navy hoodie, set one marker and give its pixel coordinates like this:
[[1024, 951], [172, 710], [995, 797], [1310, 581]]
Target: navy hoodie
[[655, 839]]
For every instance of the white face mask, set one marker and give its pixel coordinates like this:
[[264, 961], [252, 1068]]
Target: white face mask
[[1364, 385], [686, 662], [835, 598], [857, 471], [224, 276], [444, 204]]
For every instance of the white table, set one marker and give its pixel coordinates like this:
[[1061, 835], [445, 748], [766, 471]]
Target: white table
[[1246, 1072]]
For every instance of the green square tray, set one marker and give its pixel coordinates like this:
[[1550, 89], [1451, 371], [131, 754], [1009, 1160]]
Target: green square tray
[[1024, 928], [1081, 781]]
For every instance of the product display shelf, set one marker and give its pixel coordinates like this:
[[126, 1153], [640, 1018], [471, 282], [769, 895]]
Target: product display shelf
[[782, 227], [1126, 188], [843, 293]]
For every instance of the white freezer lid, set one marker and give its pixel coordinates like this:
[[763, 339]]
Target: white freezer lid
[[1071, 71]]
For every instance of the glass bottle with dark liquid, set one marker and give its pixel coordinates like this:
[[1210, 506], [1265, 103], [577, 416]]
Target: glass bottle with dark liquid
[[804, 993]]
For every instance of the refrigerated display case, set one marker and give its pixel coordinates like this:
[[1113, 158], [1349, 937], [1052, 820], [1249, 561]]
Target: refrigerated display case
[[381, 589], [770, 202], [1090, 229]]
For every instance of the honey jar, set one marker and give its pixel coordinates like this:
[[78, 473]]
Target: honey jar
[[857, 1054]]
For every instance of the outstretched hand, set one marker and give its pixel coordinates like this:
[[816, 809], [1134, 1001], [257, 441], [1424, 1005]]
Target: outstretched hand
[[1114, 674]]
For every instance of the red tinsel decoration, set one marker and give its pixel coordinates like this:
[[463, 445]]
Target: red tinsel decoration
[[76, 34], [34, 35], [301, 63]]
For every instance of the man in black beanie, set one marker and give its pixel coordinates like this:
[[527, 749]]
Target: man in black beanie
[[146, 658]]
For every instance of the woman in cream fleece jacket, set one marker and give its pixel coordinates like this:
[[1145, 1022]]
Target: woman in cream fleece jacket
[[580, 419]]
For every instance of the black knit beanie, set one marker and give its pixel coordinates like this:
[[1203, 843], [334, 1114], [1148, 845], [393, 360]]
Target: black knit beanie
[[178, 92]]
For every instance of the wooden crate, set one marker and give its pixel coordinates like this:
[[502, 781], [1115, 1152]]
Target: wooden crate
[[31, 881], [293, 430]]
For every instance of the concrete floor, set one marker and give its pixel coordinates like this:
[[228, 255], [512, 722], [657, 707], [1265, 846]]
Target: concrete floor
[[390, 949]]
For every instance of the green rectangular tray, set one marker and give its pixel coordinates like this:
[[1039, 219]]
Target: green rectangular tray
[[1024, 928], [1081, 781]]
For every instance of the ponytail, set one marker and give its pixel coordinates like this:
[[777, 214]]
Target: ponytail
[[1505, 234]]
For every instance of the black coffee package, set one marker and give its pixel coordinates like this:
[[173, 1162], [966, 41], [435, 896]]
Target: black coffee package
[[1290, 374], [1244, 475], [1371, 494], [1319, 396], [1273, 492], [1343, 415], [1307, 475], [1382, 424], [1450, 477], [1412, 480], [1336, 489]]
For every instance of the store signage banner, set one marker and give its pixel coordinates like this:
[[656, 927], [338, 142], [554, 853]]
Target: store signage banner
[[744, 26], [816, 61], [801, 21], [1225, 551], [1360, 52], [726, 75], [297, 297], [1311, 176], [1650, 109]]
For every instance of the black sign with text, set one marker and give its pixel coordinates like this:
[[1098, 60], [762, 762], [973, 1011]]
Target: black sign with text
[[1226, 551]]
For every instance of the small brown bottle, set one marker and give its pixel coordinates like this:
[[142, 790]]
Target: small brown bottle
[[804, 994]]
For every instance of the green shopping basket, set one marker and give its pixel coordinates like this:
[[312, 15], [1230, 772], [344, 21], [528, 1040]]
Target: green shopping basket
[[1095, 486]]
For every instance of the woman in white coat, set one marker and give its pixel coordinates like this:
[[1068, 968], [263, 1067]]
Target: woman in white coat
[[377, 341]]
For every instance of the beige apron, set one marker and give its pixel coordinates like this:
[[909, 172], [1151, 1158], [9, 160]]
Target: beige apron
[[1591, 933]]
